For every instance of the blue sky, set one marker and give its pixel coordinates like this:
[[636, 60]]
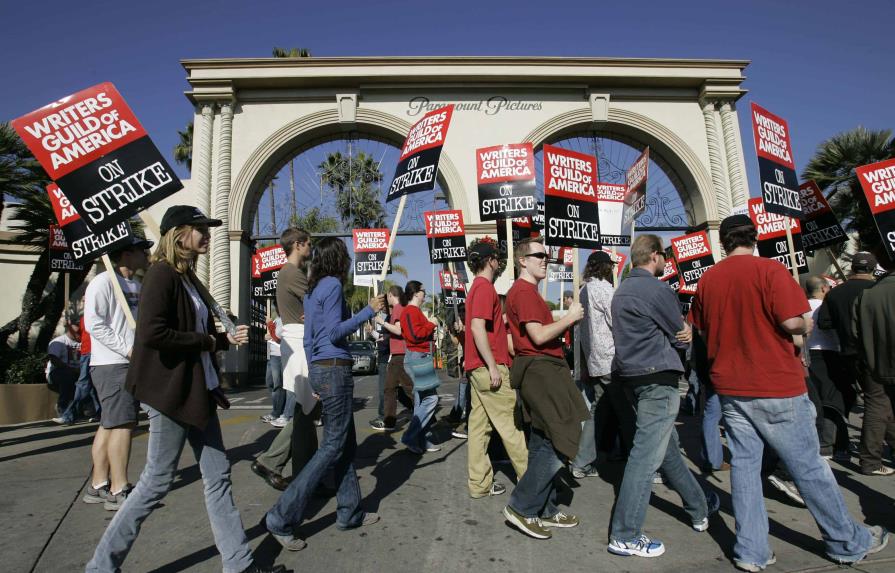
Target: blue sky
[[824, 66]]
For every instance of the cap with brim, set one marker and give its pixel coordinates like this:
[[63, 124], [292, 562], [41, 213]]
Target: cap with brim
[[481, 251], [598, 257], [735, 222], [185, 215], [863, 261], [137, 242]]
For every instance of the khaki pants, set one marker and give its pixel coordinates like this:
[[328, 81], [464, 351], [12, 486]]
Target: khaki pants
[[492, 409]]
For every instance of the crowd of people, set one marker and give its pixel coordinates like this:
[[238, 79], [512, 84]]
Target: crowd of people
[[780, 367]]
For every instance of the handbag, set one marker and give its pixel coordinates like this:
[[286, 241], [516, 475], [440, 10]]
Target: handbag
[[422, 372]]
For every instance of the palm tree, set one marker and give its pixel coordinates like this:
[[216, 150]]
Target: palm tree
[[314, 221], [292, 53], [20, 173], [183, 151], [833, 169], [352, 179]]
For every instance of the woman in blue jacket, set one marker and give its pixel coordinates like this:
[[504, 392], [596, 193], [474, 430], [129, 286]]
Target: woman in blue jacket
[[328, 322]]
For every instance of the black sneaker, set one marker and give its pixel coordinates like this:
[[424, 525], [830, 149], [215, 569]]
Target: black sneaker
[[254, 568], [96, 495], [379, 426]]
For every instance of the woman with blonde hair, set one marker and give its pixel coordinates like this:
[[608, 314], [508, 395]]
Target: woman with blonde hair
[[175, 376]]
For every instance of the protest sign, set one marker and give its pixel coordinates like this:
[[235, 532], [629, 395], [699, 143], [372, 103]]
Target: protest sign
[[693, 255], [84, 245], [92, 145], [61, 257], [635, 196], [878, 182], [570, 197], [611, 204], [772, 240], [521, 228], [777, 171], [370, 246], [452, 288], [537, 220], [506, 181], [266, 265], [446, 236], [563, 270], [672, 278], [418, 164], [821, 228]]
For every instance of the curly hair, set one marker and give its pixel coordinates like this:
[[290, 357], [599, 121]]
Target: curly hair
[[328, 259], [601, 270]]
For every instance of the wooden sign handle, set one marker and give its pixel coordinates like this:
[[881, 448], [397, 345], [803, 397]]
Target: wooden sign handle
[[576, 278], [119, 293], [391, 239], [614, 267], [836, 263], [792, 249]]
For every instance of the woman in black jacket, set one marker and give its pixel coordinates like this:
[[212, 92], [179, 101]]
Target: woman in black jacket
[[174, 374]]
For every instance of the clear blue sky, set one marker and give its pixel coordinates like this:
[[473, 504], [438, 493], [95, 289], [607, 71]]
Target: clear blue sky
[[824, 66]]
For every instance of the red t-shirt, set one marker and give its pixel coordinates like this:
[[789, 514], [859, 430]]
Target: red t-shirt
[[395, 341], [482, 302], [739, 305], [85, 339], [524, 304], [417, 329]]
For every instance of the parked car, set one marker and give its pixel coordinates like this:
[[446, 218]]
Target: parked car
[[363, 352]]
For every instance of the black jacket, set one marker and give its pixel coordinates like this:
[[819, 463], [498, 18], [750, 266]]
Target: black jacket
[[166, 371]]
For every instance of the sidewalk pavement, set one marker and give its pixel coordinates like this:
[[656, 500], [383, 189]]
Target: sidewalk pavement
[[429, 523]]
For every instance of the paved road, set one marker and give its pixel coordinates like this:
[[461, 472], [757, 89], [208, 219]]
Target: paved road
[[429, 523]]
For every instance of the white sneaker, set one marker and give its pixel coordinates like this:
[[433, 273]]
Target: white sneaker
[[641, 547], [279, 422]]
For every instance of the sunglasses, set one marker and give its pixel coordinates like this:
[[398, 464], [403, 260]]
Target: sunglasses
[[540, 256]]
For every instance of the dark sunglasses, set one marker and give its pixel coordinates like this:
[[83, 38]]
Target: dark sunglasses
[[537, 255]]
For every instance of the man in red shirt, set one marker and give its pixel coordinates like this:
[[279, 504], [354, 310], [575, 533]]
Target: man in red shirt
[[748, 309], [487, 366], [552, 403]]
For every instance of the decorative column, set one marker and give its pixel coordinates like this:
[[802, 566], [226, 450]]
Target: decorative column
[[202, 173], [738, 191], [718, 179], [220, 236]]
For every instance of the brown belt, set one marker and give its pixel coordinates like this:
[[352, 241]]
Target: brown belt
[[334, 362]]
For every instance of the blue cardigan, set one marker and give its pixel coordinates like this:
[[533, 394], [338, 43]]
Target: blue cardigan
[[328, 321]]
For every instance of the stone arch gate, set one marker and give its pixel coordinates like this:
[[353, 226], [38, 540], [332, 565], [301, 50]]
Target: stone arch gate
[[253, 114]]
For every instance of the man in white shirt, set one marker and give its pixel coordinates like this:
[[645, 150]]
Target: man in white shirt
[[111, 342]]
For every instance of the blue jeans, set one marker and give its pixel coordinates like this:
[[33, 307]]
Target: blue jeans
[[274, 380], [424, 403], [166, 440], [535, 494], [335, 386], [382, 365], [712, 450], [463, 398], [592, 392], [83, 390], [655, 446], [787, 426], [289, 406]]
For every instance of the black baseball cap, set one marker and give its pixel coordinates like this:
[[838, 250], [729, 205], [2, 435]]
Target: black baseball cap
[[598, 257], [863, 262], [137, 242], [735, 222], [481, 250], [185, 215]]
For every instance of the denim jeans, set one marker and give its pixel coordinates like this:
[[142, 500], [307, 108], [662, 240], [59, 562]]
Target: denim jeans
[[382, 366], [462, 405], [166, 441], [273, 377], [592, 392], [424, 403], [289, 406], [787, 426], [83, 391], [535, 494], [712, 450], [335, 386], [655, 446]]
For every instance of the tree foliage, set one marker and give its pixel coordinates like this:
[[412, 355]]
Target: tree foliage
[[353, 180], [291, 52], [183, 151], [833, 169]]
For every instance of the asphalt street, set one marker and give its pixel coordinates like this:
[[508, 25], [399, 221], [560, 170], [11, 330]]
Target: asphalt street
[[429, 522]]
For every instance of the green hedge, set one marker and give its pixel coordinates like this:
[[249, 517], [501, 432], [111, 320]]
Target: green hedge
[[22, 367]]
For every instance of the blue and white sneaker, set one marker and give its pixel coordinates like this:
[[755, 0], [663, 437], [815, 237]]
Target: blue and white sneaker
[[641, 547], [714, 503]]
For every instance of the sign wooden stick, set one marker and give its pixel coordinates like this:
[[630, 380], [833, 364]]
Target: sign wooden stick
[[151, 224], [544, 288], [268, 308], [836, 263], [576, 279], [66, 289], [576, 349], [452, 268], [792, 249], [119, 293], [614, 267], [391, 239], [511, 264]]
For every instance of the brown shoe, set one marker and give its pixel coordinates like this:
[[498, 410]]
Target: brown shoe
[[272, 478]]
